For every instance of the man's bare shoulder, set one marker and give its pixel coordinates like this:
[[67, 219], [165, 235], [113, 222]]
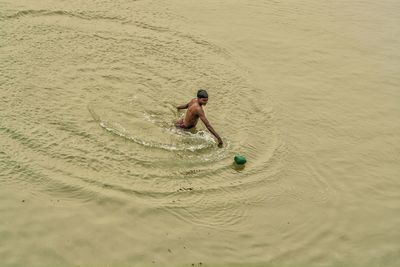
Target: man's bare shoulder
[[199, 109], [194, 104], [193, 101], [195, 107]]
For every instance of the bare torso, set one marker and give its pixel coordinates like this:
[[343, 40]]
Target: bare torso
[[192, 114]]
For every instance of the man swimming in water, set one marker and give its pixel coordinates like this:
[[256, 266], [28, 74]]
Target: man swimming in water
[[194, 112]]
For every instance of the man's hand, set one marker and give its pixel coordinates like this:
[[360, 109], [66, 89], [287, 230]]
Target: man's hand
[[220, 143]]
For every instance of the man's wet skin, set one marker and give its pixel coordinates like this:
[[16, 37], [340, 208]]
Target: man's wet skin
[[194, 112], [191, 117]]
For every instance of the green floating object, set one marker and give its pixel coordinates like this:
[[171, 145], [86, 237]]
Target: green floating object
[[240, 160]]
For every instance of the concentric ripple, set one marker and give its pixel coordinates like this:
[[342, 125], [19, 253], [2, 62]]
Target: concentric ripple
[[97, 113]]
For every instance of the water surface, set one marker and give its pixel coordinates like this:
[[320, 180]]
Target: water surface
[[93, 172]]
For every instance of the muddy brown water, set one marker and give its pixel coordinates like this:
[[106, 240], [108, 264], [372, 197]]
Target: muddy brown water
[[93, 173]]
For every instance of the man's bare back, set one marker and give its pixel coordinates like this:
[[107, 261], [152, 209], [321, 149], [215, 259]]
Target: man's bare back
[[194, 112], [192, 115]]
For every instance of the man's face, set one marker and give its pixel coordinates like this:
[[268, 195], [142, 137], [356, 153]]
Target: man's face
[[203, 101]]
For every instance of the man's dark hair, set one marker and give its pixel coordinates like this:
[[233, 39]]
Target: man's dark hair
[[202, 94]]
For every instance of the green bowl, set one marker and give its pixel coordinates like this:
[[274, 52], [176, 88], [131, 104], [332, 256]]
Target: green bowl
[[240, 160]]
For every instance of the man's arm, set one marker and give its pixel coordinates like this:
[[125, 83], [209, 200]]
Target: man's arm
[[183, 106], [203, 118]]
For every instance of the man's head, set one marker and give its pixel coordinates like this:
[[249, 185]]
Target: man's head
[[202, 96]]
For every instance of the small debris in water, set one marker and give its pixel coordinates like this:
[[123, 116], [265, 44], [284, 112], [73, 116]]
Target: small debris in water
[[190, 172], [182, 189], [23, 200], [169, 250]]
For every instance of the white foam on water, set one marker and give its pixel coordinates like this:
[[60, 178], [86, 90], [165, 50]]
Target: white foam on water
[[204, 139]]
